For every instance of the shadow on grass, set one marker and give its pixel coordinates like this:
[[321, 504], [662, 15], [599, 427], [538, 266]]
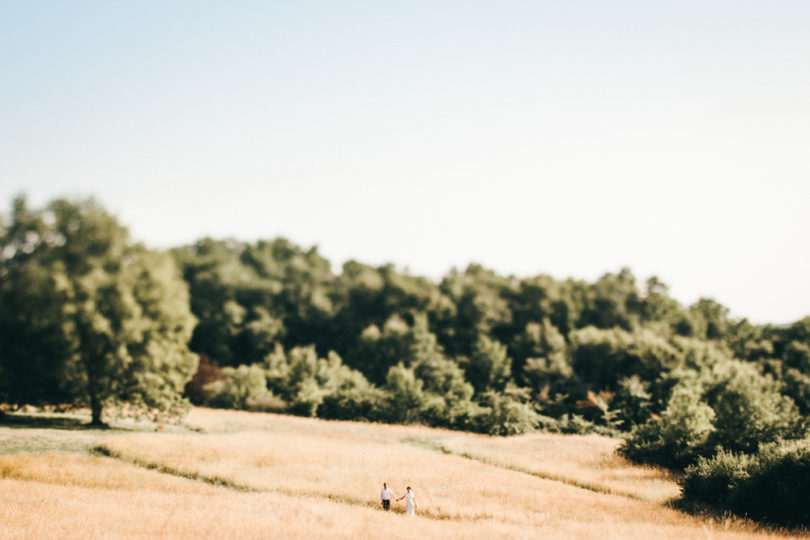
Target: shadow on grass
[[726, 519], [39, 421]]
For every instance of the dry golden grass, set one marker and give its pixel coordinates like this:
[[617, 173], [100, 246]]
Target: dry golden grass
[[33, 510], [583, 460], [92, 472], [286, 477], [586, 460]]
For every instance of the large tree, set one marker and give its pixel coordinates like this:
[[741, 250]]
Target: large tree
[[33, 349], [123, 310]]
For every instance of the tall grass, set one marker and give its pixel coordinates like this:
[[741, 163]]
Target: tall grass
[[301, 478]]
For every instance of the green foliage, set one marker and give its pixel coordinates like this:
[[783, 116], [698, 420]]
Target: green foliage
[[677, 437], [375, 352], [314, 386], [354, 399], [771, 485], [714, 479], [124, 310], [797, 355], [506, 413], [481, 307], [542, 297], [603, 357], [448, 394], [632, 402], [33, 348], [730, 405], [476, 333], [797, 387], [405, 395], [544, 351], [713, 318], [238, 388], [749, 408], [489, 367], [612, 302]]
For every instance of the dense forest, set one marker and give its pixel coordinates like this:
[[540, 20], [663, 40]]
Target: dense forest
[[88, 316]]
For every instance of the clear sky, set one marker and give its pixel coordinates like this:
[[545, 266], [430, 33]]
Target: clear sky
[[570, 137]]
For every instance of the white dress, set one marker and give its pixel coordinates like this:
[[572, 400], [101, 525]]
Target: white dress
[[409, 504]]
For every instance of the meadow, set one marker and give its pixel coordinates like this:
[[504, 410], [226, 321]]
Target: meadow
[[254, 475]]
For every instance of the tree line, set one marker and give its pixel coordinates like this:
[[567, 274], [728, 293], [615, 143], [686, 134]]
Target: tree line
[[89, 316]]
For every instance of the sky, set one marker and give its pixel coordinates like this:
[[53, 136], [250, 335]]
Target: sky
[[570, 138]]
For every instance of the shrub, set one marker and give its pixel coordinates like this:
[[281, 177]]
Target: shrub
[[729, 405], [323, 387], [797, 386], [779, 486], [505, 414], [772, 485], [406, 398], [575, 424], [632, 401], [749, 409], [677, 437], [239, 388], [308, 398], [712, 480], [354, 399]]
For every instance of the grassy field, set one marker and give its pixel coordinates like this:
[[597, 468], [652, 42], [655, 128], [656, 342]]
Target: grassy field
[[248, 475]]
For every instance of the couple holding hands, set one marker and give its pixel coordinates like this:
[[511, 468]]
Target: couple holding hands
[[386, 495]]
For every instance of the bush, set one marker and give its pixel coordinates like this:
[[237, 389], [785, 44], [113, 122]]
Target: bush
[[308, 398], [713, 480], [772, 485], [729, 405], [575, 424], [505, 414], [797, 386], [354, 399], [406, 398], [677, 437], [239, 388], [323, 387], [749, 409], [632, 402]]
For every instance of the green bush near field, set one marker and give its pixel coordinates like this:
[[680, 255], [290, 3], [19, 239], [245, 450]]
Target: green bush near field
[[771, 485]]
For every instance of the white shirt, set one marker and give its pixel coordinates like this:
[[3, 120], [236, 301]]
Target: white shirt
[[387, 495]]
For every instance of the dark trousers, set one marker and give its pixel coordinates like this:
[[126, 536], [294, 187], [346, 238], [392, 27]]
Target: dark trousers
[[386, 504]]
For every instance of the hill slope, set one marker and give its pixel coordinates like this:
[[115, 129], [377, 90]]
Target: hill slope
[[248, 475]]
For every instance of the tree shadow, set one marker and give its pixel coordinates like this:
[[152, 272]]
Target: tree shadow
[[728, 519], [29, 421]]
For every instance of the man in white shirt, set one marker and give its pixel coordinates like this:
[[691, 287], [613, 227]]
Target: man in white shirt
[[386, 495]]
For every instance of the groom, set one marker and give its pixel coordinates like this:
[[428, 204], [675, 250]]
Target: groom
[[385, 497]]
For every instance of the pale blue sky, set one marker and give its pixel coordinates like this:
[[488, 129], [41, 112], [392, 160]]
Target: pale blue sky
[[568, 137]]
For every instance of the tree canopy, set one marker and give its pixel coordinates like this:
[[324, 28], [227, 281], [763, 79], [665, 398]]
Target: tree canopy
[[104, 319]]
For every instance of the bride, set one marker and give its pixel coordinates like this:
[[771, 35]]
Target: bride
[[410, 503]]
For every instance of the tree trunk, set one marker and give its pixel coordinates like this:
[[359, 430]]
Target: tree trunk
[[94, 391], [95, 407]]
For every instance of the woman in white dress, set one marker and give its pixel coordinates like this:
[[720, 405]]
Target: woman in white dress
[[410, 503]]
